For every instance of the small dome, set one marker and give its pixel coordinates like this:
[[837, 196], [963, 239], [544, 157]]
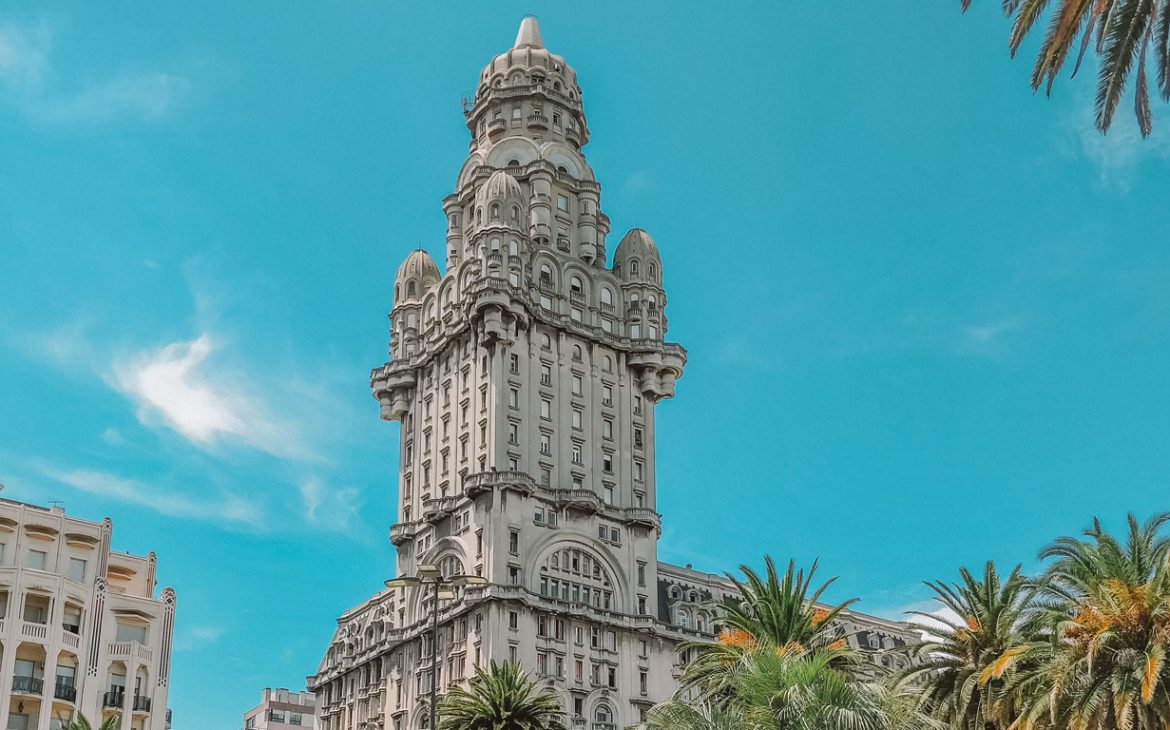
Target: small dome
[[636, 257], [501, 201], [417, 274]]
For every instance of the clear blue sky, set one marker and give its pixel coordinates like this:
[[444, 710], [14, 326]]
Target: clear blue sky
[[927, 312]]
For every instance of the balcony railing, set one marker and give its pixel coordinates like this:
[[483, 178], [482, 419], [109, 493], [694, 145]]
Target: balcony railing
[[117, 698], [141, 704], [65, 691], [28, 685]]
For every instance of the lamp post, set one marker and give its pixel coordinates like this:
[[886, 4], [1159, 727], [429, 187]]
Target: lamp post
[[430, 575]]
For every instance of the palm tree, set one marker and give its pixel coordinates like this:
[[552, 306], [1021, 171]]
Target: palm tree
[[1120, 31], [501, 697], [806, 691], [1106, 607], [773, 610], [773, 689], [81, 722], [959, 666]]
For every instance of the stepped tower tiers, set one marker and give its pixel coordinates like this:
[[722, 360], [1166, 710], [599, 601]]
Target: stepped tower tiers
[[526, 379]]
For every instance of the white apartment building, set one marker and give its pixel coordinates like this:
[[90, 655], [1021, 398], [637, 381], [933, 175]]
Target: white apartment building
[[280, 709], [81, 629], [526, 377]]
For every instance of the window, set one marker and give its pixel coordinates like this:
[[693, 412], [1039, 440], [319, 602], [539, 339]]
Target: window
[[577, 385], [637, 405], [607, 364], [514, 542], [294, 718], [513, 620], [609, 494], [575, 286], [545, 408], [515, 115], [641, 573], [607, 428], [606, 296], [577, 418], [577, 453], [513, 433], [642, 605], [606, 395], [131, 632], [514, 363], [607, 463], [36, 559], [77, 570], [545, 444], [562, 203], [642, 681], [577, 354], [545, 375], [545, 342], [638, 438], [639, 471]]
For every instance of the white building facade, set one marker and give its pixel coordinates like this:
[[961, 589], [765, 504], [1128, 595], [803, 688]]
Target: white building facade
[[81, 629], [526, 379], [280, 709]]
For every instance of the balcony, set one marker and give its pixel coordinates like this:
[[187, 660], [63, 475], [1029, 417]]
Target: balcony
[[129, 649], [28, 685], [117, 698], [496, 126], [577, 297], [34, 630], [538, 121], [141, 704], [65, 691]]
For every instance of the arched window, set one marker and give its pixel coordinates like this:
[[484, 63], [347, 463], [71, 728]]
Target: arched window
[[577, 355], [617, 269], [513, 162], [607, 364], [606, 295], [577, 575], [515, 214], [494, 245], [546, 274], [479, 215], [410, 289], [562, 168], [513, 248], [653, 271], [575, 285], [495, 211], [674, 592], [397, 293], [634, 267], [603, 715], [684, 618], [545, 342]]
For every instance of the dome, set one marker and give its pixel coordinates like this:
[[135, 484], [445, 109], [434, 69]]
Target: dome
[[501, 201], [636, 257], [528, 60], [417, 274]]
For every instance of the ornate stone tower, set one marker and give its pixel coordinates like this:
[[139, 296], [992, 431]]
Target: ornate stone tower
[[526, 379]]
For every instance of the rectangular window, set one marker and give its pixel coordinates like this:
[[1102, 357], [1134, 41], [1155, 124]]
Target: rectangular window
[[562, 203], [545, 408], [77, 570], [642, 681], [545, 375], [606, 395], [576, 454], [514, 542], [609, 495], [545, 446], [637, 405], [641, 573], [513, 620], [638, 438], [578, 416], [131, 632], [607, 428], [513, 433], [36, 559], [607, 463], [578, 386], [615, 535], [514, 397], [514, 363], [542, 663]]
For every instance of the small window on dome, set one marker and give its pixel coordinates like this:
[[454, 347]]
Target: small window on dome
[[562, 168], [513, 162], [495, 211], [557, 84], [653, 270], [410, 289], [634, 267], [515, 214]]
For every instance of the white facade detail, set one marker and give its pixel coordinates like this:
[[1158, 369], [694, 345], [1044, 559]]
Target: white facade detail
[[81, 629]]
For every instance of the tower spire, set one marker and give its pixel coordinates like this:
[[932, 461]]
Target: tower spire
[[529, 35]]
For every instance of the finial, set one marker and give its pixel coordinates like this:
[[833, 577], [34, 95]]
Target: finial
[[529, 35]]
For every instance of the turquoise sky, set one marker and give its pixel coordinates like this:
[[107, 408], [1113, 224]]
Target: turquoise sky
[[928, 312]]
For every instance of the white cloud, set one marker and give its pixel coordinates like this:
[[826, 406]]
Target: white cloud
[[175, 384], [197, 637], [1118, 155], [229, 509], [28, 83], [989, 339], [332, 508]]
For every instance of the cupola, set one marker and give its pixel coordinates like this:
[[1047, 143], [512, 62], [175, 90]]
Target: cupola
[[636, 258], [417, 274]]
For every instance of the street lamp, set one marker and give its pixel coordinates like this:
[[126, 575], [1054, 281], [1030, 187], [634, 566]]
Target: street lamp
[[431, 575]]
